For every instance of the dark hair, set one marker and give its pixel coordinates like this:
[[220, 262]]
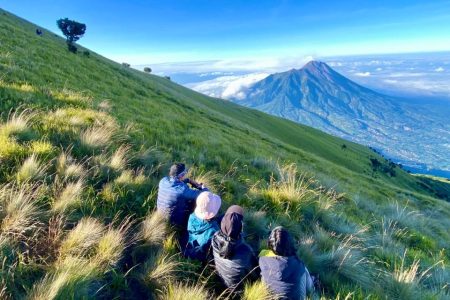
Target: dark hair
[[281, 242], [176, 169]]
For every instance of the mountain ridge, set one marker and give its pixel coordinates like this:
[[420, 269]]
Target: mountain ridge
[[318, 96]]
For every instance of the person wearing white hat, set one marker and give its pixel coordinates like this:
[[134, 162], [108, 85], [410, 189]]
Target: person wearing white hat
[[202, 225]]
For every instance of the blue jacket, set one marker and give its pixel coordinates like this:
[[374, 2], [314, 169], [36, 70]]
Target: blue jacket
[[200, 233], [287, 276], [176, 200]]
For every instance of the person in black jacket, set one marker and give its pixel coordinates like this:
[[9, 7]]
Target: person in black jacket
[[234, 259], [281, 270]]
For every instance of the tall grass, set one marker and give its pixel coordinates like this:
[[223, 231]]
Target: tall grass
[[159, 270], [257, 291], [180, 291], [70, 279], [67, 168], [405, 281], [112, 244], [20, 211], [120, 158], [69, 197], [96, 137], [154, 229], [18, 123], [81, 240], [30, 170]]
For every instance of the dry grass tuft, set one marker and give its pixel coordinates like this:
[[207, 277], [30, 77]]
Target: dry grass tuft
[[154, 229], [160, 269], [112, 244], [31, 169], [120, 158], [179, 291], [96, 137], [257, 291], [81, 240], [130, 178], [67, 168], [69, 197], [70, 279], [18, 123], [21, 213]]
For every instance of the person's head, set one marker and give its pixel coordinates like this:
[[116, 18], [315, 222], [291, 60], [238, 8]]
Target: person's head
[[231, 224], [281, 242], [207, 205], [178, 170]]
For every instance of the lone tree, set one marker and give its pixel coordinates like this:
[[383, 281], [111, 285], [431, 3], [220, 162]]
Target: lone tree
[[147, 70], [72, 30]]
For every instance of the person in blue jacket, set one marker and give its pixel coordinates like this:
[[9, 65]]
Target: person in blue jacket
[[202, 225], [281, 270], [176, 200]]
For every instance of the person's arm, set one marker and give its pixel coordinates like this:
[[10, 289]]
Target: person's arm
[[195, 184]]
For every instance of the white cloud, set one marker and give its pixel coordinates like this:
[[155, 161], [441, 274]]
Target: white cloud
[[440, 69], [251, 65], [379, 69], [227, 87], [406, 74], [362, 74]]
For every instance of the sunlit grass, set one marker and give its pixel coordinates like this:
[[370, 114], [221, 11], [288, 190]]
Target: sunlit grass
[[71, 96], [31, 169], [18, 123], [20, 211], [69, 197], [67, 168], [120, 158], [159, 270], [154, 229], [96, 137], [179, 291], [257, 291], [81, 240]]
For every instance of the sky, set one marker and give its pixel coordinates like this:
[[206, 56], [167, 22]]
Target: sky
[[412, 76], [221, 47], [150, 32]]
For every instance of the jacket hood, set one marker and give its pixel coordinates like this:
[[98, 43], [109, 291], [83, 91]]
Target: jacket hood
[[198, 226]]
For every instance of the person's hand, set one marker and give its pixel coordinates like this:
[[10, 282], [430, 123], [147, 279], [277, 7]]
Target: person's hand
[[196, 184]]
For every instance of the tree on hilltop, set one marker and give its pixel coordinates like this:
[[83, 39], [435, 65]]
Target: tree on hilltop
[[72, 30]]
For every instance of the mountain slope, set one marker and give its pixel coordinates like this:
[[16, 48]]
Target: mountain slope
[[318, 96], [80, 168]]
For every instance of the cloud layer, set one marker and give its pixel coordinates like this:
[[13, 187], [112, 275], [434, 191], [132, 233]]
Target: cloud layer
[[227, 87]]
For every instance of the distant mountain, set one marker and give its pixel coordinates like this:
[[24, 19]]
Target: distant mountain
[[318, 96]]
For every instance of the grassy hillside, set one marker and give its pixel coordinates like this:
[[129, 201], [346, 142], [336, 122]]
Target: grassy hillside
[[84, 141]]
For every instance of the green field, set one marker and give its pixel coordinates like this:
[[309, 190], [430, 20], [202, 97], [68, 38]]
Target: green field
[[84, 141]]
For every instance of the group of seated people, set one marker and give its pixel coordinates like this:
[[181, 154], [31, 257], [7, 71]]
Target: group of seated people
[[206, 236]]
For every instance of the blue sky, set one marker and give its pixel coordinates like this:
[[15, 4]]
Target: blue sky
[[149, 32]]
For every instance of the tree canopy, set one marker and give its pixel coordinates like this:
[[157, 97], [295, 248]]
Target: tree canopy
[[72, 30]]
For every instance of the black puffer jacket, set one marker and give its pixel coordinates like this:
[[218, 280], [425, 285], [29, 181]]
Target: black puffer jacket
[[234, 260], [286, 276]]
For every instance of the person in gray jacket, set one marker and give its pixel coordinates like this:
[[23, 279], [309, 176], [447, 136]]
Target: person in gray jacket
[[234, 259], [281, 270]]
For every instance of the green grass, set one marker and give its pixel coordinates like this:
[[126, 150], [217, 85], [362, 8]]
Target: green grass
[[84, 142]]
